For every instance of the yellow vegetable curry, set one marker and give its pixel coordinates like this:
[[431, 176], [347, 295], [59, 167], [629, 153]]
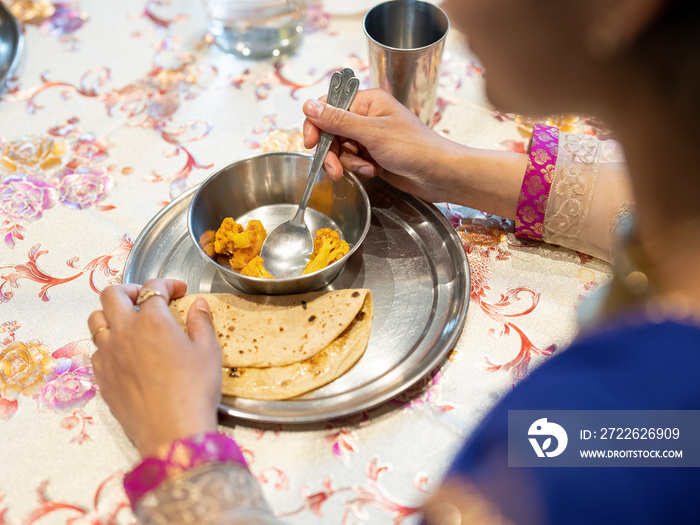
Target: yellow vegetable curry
[[242, 247]]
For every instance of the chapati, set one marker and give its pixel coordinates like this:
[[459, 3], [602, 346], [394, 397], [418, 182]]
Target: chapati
[[275, 330], [283, 382]]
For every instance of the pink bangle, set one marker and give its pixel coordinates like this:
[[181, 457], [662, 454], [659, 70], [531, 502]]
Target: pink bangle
[[177, 457], [534, 192]]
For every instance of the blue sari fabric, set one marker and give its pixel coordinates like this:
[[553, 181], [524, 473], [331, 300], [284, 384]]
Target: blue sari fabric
[[635, 367]]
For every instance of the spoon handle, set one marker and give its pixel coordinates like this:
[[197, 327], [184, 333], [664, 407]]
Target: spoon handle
[[341, 91]]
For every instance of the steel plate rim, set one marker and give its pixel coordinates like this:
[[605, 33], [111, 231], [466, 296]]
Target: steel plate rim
[[141, 238], [462, 280]]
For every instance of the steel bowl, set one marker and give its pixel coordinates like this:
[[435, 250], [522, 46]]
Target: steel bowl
[[268, 187]]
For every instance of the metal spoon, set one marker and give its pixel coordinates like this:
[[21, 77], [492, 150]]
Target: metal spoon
[[286, 249]]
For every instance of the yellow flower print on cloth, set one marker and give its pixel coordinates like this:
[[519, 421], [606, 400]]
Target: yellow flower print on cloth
[[32, 154], [32, 11], [24, 369], [283, 140], [565, 123]]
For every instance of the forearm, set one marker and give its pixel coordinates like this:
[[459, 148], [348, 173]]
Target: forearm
[[485, 180], [437, 169], [569, 192]]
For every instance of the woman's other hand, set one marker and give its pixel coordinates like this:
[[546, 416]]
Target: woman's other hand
[[160, 383]]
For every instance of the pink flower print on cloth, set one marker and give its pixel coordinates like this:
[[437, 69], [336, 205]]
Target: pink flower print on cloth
[[25, 198], [84, 187], [537, 183], [71, 384]]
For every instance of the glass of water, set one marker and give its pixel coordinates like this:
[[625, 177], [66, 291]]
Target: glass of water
[[256, 28]]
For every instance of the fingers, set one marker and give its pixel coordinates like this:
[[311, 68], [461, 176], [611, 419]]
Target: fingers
[[368, 109], [350, 157], [118, 301], [162, 291], [311, 134], [169, 288], [97, 366], [98, 326], [332, 166], [334, 120], [347, 158], [200, 328], [355, 125]]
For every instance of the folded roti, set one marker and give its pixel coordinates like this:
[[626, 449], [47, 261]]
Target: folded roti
[[283, 382], [275, 330]]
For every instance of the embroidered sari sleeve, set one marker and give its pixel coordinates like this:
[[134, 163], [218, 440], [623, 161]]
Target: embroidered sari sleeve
[[537, 182], [209, 494], [202, 479], [589, 188]]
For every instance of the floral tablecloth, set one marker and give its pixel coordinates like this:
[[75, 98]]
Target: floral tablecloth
[[115, 110]]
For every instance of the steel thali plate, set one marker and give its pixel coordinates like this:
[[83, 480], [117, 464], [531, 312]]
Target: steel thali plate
[[413, 262]]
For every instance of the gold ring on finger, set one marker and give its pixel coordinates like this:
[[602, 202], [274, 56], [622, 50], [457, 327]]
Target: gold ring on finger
[[145, 294], [99, 329]]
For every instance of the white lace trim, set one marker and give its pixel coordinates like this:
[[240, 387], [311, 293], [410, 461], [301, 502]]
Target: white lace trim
[[212, 494], [572, 188]]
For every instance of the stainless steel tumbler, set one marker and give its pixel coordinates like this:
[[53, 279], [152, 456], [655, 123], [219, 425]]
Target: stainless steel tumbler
[[406, 41]]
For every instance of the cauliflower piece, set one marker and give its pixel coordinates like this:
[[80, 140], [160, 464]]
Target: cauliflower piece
[[328, 248], [223, 240], [240, 245], [255, 268]]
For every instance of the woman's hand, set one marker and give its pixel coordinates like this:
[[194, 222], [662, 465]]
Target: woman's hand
[[160, 383], [378, 136]]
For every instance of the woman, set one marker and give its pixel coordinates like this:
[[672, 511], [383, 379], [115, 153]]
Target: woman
[[632, 63]]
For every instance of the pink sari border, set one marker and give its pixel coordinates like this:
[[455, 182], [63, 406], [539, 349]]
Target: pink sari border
[[534, 193], [177, 457]]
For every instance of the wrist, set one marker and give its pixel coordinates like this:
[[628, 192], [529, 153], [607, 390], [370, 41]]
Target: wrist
[[485, 180], [168, 432], [441, 166]]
